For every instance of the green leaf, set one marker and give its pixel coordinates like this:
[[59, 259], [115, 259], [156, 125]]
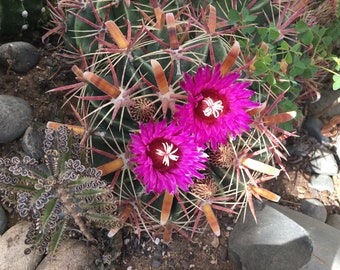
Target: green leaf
[[57, 236], [273, 34], [284, 45], [289, 58], [301, 26], [48, 211], [233, 16], [336, 79], [270, 79], [296, 48], [260, 68], [307, 37]]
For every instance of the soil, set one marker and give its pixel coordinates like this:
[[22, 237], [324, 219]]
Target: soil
[[204, 251]]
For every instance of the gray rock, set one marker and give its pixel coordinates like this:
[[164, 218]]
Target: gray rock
[[314, 208], [283, 239], [334, 221], [325, 239], [12, 246], [3, 220], [270, 244], [323, 162], [313, 127], [15, 117], [71, 254], [322, 182], [32, 143], [323, 106], [19, 56]]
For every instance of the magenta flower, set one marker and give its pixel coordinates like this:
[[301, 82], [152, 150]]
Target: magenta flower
[[217, 106], [166, 157]]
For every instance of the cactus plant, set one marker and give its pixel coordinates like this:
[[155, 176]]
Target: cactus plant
[[20, 16], [60, 194], [138, 70], [183, 105]]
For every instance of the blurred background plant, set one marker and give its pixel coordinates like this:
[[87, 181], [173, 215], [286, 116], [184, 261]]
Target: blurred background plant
[[22, 18], [134, 63]]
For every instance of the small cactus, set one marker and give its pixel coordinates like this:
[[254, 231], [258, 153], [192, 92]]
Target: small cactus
[[59, 194], [17, 17]]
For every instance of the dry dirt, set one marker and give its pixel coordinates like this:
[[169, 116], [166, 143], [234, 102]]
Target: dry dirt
[[205, 251]]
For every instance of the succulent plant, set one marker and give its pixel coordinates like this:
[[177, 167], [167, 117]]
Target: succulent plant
[[61, 195], [20, 16], [184, 105]]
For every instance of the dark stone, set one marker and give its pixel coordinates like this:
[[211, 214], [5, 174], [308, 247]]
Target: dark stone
[[283, 239], [3, 220], [275, 242], [19, 56], [314, 208], [313, 127], [32, 143], [15, 117], [334, 221]]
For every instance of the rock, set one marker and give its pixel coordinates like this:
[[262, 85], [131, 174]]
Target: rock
[[334, 221], [283, 239], [15, 117], [323, 162], [19, 56], [313, 127], [314, 208], [71, 255], [3, 220], [322, 182], [302, 147], [269, 244], [32, 143], [323, 106], [12, 246], [325, 239]]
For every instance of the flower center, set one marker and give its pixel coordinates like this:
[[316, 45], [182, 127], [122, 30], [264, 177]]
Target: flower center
[[211, 107], [163, 153]]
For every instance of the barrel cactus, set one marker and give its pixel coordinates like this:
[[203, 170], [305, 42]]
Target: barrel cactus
[[182, 104]]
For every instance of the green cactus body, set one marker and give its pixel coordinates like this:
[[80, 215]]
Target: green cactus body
[[159, 40], [138, 57], [18, 17]]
